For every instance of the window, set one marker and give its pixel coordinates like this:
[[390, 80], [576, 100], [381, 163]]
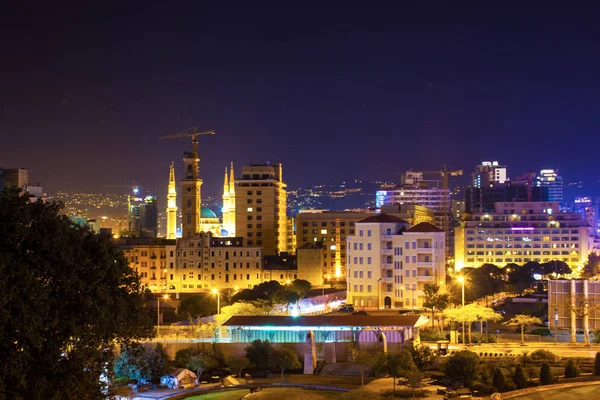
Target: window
[[360, 232], [369, 288], [407, 259], [406, 245], [355, 260], [368, 232], [360, 246], [355, 245], [356, 288], [360, 274], [360, 260], [356, 274], [249, 209], [369, 260], [369, 246], [361, 288], [369, 274]]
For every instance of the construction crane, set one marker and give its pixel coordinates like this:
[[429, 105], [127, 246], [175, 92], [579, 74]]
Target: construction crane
[[190, 132], [444, 173]]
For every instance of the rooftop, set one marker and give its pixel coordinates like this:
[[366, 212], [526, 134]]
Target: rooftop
[[382, 218], [424, 227], [262, 321]]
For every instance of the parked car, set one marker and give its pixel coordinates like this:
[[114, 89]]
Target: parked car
[[346, 308]]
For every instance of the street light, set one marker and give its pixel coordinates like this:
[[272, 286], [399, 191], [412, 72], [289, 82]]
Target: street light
[[462, 281], [165, 297], [215, 291]]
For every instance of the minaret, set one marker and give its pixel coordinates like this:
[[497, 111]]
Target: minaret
[[172, 205], [229, 202]]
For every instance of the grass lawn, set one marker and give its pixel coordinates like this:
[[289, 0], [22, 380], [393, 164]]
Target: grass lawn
[[589, 392], [271, 394]]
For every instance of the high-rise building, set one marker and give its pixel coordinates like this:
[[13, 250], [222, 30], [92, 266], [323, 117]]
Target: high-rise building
[[14, 177], [389, 264], [588, 211], [549, 178], [229, 203], [172, 205], [142, 216], [260, 207], [205, 262], [489, 173], [519, 232], [191, 199], [482, 199]]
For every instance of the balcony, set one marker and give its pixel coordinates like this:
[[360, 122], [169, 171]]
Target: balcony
[[425, 249], [387, 279], [426, 278], [387, 265], [387, 252], [387, 237], [425, 263]]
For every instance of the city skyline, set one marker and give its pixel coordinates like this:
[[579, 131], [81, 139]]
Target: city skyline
[[404, 87]]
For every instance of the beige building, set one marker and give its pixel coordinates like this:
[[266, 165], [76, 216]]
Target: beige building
[[151, 259], [519, 232], [310, 259], [260, 207], [390, 265], [291, 235], [412, 213], [281, 268], [330, 228], [205, 262]]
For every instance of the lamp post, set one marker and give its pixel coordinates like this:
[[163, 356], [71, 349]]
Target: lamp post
[[165, 297], [215, 291], [462, 281]]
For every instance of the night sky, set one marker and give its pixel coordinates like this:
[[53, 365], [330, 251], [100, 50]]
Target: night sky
[[334, 92]]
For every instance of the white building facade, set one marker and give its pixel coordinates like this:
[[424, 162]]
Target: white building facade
[[390, 265]]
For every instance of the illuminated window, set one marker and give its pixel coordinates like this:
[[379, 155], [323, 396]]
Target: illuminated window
[[323, 231], [249, 209]]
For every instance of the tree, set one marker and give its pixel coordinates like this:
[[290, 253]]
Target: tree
[[434, 300], [463, 366], [472, 313], [597, 364], [499, 381], [546, 374], [423, 356], [284, 359], [200, 362], [556, 267], [571, 370], [141, 362], [395, 365], [68, 297], [301, 287], [521, 278], [519, 378], [258, 307], [523, 320], [192, 307], [581, 305], [239, 364], [259, 353], [366, 361], [591, 268]]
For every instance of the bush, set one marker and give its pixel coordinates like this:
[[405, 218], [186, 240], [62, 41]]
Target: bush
[[483, 338], [540, 331], [571, 370], [422, 356], [597, 364], [543, 355], [545, 373], [482, 388], [463, 366], [431, 335], [519, 378], [499, 381]]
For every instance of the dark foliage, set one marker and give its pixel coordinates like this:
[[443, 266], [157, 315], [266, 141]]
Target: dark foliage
[[258, 353], [519, 378], [597, 364], [463, 366], [68, 296], [571, 370], [499, 381], [546, 374]]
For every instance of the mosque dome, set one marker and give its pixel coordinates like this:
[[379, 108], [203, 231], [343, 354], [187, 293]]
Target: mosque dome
[[206, 212]]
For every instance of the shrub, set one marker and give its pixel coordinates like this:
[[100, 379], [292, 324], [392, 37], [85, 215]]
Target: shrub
[[422, 356], [463, 366], [540, 331], [543, 355], [485, 338], [571, 370], [597, 364], [499, 381], [545, 374], [431, 335], [519, 378], [482, 388]]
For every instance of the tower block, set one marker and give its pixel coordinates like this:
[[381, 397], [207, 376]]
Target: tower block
[[172, 205]]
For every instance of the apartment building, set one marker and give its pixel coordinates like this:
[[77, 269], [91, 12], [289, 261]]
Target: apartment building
[[519, 232], [389, 264], [205, 262], [150, 258]]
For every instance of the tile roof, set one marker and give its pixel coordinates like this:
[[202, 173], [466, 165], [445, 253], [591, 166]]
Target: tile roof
[[324, 320], [424, 227], [379, 218]]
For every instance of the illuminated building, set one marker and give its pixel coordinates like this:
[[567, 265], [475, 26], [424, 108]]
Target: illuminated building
[[150, 258], [142, 216], [209, 222], [489, 173], [549, 178], [390, 264], [281, 268], [172, 205], [260, 207], [310, 260], [521, 232], [291, 235], [412, 213], [229, 203], [483, 199], [589, 212], [330, 228], [566, 300], [205, 262]]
